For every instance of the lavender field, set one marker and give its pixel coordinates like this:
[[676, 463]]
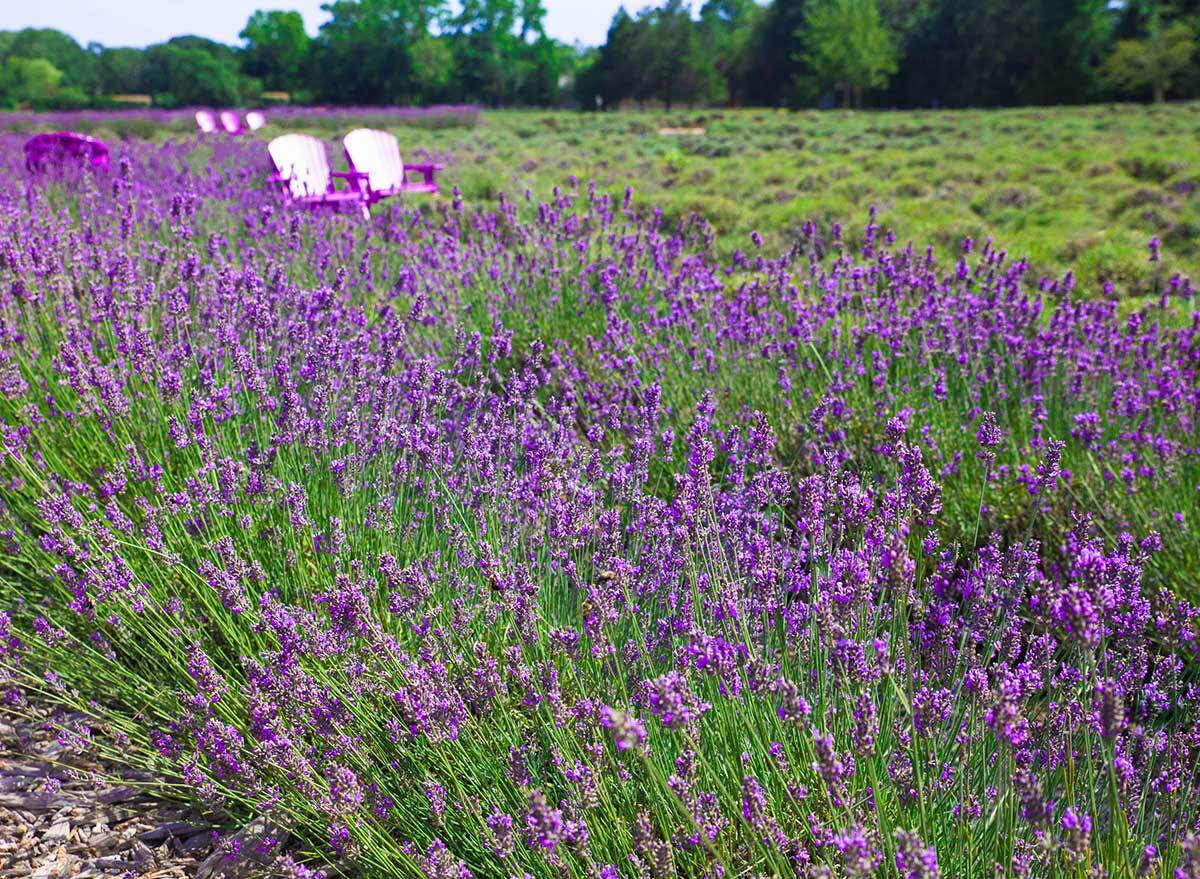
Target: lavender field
[[532, 538]]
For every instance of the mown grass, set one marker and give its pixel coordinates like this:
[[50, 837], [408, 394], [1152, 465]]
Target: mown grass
[[1080, 189]]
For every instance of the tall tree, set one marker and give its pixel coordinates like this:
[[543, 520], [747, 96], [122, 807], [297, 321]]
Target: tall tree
[[1017, 52], [503, 52], [29, 81], [78, 67], [181, 74], [849, 46], [620, 65], [120, 70], [276, 47], [1159, 59], [365, 52], [777, 48], [658, 56], [726, 30], [679, 69]]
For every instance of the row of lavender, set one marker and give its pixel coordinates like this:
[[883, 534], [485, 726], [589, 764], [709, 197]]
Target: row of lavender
[[185, 115], [535, 542]]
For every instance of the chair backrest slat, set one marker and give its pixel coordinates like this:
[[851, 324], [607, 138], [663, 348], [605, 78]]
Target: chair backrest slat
[[205, 121], [376, 154], [301, 161]]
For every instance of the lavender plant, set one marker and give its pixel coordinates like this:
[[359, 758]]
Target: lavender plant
[[534, 542]]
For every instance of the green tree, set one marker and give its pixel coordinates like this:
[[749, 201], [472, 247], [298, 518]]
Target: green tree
[[276, 47], [726, 31], [503, 54], [1016, 51], [587, 77], [657, 56], [364, 54], [486, 49], [849, 47], [33, 81], [679, 68], [777, 72], [433, 68], [186, 75], [619, 63], [78, 67], [120, 71], [1157, 60], [225, 55]]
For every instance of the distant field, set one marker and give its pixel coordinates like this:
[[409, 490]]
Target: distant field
[[1081, 189]]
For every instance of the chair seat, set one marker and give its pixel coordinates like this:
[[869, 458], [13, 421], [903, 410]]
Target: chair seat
[[328, 197], [407, 189], [376, 155]]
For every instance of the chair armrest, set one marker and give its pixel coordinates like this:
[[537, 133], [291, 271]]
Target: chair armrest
[[426, 171], [353, 177]]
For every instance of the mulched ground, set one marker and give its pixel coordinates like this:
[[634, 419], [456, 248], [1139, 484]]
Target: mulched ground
[[62, 815]]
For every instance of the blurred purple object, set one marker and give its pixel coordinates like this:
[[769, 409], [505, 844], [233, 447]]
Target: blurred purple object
[[231, 122], [63, 147], [255, 120], [206, 121], [305, 178], [376, 154]]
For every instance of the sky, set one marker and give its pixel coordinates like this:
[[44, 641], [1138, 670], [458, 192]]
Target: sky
[[141, 22]]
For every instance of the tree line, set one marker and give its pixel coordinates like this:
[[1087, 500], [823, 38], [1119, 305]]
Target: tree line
[[897, 53], [493, 52], [903, 53]]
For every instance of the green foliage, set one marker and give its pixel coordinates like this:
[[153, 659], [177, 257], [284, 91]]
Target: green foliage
[[44, 69], [120, 71], [910, 52], [1017, 52], [416, 51], [276, 48], [661, 56], [502, 54], [364, 52], [1155, 62], [905, 53], [77, 66], [849, 46], [37, 83], [33, 80], [726, 29], [181, 76]]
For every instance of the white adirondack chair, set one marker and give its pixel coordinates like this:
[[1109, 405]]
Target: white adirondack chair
[[305, 178], [376, 155], [255, 120], [230, 122], [205, 121]]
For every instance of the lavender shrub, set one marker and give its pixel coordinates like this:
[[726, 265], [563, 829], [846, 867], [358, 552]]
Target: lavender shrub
[[534, 542]]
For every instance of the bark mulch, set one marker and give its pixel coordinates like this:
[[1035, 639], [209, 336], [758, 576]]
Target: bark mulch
[[62, 815]]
